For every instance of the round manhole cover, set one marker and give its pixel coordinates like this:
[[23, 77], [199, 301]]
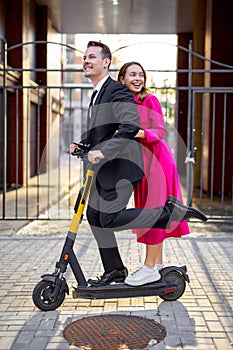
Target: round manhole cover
[[114, 332]]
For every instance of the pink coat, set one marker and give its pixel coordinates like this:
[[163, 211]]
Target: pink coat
[[161, 177]]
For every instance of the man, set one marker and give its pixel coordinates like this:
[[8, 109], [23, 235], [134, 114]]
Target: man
[[116, 157]]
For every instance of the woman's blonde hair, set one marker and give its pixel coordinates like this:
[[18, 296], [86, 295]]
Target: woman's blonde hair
[[144, 91]]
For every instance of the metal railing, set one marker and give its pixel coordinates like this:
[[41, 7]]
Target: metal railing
[[39, 179]]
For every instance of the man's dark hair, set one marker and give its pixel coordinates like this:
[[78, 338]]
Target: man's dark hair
[[105, 49]]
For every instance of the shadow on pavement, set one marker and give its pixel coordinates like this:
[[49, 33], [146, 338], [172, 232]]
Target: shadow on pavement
[[45, 329]]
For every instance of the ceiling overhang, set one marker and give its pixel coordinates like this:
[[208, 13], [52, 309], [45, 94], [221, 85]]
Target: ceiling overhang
[[121, 16]]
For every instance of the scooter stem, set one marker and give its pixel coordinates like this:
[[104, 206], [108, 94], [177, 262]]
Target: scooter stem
[[81, 201]]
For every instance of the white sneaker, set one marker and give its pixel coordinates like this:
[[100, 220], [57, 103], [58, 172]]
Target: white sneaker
[[159, 266], [142, 276]]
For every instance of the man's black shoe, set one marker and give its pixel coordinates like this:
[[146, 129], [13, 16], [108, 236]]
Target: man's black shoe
[[107, 278], [180, 212]]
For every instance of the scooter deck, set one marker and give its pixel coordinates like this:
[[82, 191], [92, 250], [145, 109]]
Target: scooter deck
[[122, 290]]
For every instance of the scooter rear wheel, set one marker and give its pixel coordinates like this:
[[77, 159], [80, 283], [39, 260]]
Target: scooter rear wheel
[[176, 278], [41, 296]]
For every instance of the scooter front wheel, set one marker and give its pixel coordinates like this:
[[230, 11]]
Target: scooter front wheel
[[176, 278], [41, 296]]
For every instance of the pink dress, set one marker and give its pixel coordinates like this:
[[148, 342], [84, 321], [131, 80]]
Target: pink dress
[[161, 177]]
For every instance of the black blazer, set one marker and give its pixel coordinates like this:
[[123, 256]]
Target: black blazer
[[113, 124]]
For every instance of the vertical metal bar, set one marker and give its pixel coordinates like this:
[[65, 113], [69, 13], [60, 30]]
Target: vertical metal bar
[[69, 169], [189, 127], [166, 102], [48, 153], [71, 137], [212, 157], [17, 153], [62, 121], [71, 132], [176, 126], [4, 126], [223, 152], [202, 150], [38, 157], [82, 168], [59, 160], [27, 150], [192, 145]]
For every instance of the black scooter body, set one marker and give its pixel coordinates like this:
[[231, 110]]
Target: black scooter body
[[122, 290]]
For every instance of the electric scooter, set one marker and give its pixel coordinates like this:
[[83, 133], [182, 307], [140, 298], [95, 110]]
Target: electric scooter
[[50, 292]]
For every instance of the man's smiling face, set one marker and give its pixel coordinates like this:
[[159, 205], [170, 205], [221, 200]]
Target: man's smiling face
[[94, 65]]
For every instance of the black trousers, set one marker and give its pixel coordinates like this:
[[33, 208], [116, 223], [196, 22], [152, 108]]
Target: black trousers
[[107, 212]]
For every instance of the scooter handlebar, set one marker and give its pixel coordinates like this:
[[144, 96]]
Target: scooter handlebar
[[82, 151]]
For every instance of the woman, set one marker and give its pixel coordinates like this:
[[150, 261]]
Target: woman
[[161, 177]]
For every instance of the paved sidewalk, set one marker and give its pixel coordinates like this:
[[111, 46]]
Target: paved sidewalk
[[201, 319]]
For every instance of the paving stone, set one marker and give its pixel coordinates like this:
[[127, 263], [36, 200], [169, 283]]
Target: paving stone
[[222, 344], [38, 343], [215, 326]]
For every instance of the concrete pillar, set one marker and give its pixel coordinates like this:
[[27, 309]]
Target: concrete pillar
[[218, 47], [199, 16]]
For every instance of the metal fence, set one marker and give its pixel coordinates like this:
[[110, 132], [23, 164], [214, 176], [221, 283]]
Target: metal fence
[[39, 179]]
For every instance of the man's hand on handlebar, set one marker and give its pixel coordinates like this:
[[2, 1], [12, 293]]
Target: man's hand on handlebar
[[74, 149], [80, 150], [95, 156]]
